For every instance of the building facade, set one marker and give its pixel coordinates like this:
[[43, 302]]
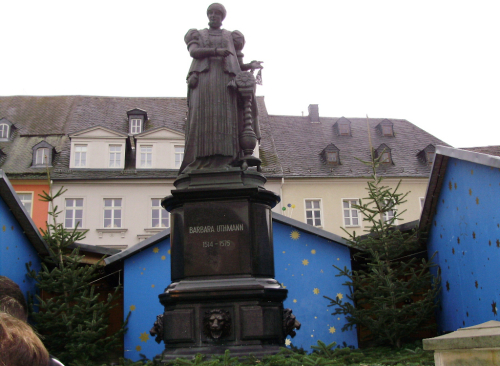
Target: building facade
[[317, 166], [117, 157]]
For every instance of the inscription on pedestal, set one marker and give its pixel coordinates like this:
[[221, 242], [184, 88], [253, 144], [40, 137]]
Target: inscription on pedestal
[[217, 238]]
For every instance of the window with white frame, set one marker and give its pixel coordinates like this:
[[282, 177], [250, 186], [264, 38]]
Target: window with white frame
[[112, 212], [42, 156], [344, 129], [115, 156], [159, 216], [80, 156], [135, 126], [387, 130], [313, 212], [332, 157], [73, 217], [4, 131], [430, 157], [351, 214], [389, 214], [26, 199], [179, 155], [146, 156], [386, 157]]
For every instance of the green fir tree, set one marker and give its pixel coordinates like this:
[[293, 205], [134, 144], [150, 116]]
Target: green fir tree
[[393, 292], [71, 318]]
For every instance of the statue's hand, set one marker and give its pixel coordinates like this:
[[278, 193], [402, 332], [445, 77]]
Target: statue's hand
[[223, 52], [254, 65]]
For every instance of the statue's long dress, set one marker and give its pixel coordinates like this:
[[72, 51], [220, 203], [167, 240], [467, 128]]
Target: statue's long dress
[[212, 125]]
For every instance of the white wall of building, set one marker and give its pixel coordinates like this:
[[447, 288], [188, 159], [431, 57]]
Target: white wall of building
[[137, 196], [136, 212]]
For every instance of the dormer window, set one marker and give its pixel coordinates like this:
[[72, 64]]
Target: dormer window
[[344, 130], [135, 126], [42, 155], [136, 117], [331, 155], [427, 155], [384, 153], [385, 128], [342, 127], [430, 157], [5, 129]]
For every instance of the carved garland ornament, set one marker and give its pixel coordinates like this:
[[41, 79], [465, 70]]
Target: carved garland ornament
[[245, 80]]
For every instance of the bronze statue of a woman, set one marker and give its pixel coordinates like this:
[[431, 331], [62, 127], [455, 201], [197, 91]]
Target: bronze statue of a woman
[[215, 109]]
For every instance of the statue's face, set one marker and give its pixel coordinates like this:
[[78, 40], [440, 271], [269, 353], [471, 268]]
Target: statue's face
[[217, 323], [214, 18]]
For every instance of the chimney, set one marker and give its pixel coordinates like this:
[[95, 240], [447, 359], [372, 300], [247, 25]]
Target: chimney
[[313, 113]]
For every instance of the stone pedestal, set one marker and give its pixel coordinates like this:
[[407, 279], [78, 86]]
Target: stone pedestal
[[223, 294], [477, 345]]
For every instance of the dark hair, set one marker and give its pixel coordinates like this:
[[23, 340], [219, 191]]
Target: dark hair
[[12, 300], [19, 345]]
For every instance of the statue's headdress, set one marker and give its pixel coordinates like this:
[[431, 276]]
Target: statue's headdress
[[219, 7]]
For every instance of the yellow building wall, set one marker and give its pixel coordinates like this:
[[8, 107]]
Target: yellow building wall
[[332, 192]]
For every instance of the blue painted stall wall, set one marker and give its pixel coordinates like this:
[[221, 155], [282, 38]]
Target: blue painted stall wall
[[466, 234], [146, 274], [15, 251], [303, 264]]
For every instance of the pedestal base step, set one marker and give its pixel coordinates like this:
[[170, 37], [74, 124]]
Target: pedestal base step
[[258, 351]]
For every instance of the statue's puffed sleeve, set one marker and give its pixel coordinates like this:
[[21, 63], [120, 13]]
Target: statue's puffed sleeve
[[192, 37], [194, 41]]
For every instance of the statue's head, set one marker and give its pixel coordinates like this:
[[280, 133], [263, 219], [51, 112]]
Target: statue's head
[[216, 14], [217, 323]]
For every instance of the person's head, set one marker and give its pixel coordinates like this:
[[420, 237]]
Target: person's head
[[216, 14], [12, 300], [19, 345]]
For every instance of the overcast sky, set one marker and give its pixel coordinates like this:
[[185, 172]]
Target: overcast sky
[[434, 63]]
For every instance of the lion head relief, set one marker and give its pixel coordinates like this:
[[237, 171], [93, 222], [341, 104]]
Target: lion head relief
[[216, 323]]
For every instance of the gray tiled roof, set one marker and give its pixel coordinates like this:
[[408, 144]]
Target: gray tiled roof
[[290, 145], [19, 154], [53, 118], [490, 150], [299, 144], [270, 163]]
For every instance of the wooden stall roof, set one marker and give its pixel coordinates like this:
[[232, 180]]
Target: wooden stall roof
[[443, 154]]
